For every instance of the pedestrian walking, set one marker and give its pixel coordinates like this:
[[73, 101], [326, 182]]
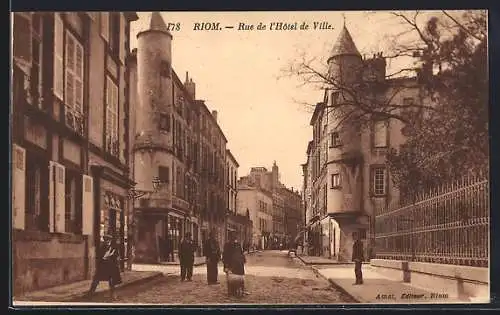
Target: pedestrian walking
[[234, 261], [358, 258], [107, 268], [186, 257], [211, 251]]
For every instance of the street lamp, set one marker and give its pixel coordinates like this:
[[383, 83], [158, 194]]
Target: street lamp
[[135, 194]]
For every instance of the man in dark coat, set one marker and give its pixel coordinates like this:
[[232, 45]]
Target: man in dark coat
[[358, 258], [107, 266], [211, 251], [186, 257]]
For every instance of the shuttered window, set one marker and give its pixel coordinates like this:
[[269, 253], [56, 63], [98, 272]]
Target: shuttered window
[[37, 59], [111, 115], [380, 134], [58, 56], [18, 186], [22, 40], [87, 206], [73, 92], [104, 19]]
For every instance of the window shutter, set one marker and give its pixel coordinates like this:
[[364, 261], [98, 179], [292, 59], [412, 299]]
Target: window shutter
[[87, 205], [91, 15], [22, 40], [60, 199], [78, 76], [380, 134], [108, 109], [69, 93], [18, 187], [58, 56], [115, 111], [105, 25], [52, 196]]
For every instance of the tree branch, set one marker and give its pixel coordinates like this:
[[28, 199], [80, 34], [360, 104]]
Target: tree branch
[[461, 26]]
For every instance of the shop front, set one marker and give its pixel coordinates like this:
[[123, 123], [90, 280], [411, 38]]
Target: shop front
[[174, 229], [113, 221], [111, 208]]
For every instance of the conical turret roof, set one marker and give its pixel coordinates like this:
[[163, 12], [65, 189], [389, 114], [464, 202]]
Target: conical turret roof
[[157, 24], [344, 45]]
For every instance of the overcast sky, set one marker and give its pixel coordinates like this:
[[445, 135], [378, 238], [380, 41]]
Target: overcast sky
[[240, 74]]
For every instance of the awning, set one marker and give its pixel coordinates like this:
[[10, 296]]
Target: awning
[[174, 214]]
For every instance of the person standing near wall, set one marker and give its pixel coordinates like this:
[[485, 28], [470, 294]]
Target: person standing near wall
[[358, 258], [186, 257], [211, 251]]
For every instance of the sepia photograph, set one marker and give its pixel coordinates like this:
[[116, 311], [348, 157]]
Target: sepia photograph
[[183, 158]]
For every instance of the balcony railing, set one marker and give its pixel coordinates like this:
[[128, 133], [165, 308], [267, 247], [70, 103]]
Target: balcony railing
[[449, 227], [24, 89], [112, 145], [180, 203], [74, 120]]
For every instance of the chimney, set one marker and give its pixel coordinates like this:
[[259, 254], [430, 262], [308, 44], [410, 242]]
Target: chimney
[[190, 86], [214, 113]]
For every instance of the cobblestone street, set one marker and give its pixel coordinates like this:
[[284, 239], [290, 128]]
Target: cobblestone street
[[271, 278]]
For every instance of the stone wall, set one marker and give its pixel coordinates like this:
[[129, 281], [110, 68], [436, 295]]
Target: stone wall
[[41, 260], [463, 282]]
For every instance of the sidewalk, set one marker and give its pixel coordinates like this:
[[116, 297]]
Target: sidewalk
[[317, 260], [77, 290], [379, 289]]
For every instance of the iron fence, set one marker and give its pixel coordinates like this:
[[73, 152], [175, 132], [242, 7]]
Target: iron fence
[[449, 225]]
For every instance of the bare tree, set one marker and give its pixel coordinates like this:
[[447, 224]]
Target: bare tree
[[365, 97], [447, 128]]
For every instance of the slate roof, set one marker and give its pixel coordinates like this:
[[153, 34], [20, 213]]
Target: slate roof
[[344, 45], [157, 23]]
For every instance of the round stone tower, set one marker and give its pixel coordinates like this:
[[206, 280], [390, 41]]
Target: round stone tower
[[345, 62], [154, 101], [345, 67]]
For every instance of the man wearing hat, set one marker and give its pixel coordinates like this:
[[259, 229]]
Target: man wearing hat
[[107, 266], [186, 257]]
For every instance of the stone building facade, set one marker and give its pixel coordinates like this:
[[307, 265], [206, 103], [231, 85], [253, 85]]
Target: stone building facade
[[179, 152], [292, 214], [286, 205], [257, 205], [345, 174], [70, 161]]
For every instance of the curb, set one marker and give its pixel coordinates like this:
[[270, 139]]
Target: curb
[[334, 284], [75, 297], [333, 263]]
